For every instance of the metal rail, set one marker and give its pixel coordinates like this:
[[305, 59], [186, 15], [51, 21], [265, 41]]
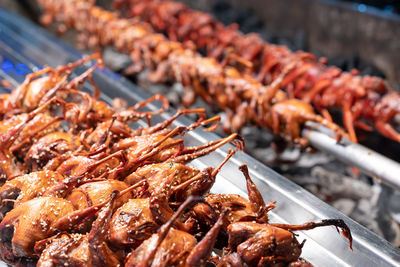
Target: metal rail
[[365, 159]]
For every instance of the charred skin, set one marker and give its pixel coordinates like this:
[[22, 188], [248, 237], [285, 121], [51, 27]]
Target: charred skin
[[170, 247], [237, 205], [162, 248], [72, 249]]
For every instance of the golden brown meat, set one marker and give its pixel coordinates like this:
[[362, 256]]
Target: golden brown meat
[[132, 223], [94, 193], [82, 250], [269, 244], [170, 247], [242, 96], [48, 147], [31, 221], [28, 96], [289, 116], [8, 166], [26, 187]]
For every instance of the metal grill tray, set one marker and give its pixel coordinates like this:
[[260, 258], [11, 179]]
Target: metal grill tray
[[25, 47]]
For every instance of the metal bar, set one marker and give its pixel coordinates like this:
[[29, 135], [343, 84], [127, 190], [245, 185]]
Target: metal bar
[[365, 159]]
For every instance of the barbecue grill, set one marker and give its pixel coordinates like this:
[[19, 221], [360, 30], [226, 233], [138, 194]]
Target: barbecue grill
[[25, 48]]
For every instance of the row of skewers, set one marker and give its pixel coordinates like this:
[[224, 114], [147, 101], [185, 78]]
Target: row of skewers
[[242, 75], [243, 98], [362, 99], [82, 188]]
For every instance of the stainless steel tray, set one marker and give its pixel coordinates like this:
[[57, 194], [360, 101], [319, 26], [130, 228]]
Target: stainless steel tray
[[25, 47]]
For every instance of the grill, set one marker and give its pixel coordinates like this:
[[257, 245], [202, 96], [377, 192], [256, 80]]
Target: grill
[[25, 48]]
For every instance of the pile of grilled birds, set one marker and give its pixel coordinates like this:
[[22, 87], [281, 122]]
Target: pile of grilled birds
[[82, 188], [242, 74]]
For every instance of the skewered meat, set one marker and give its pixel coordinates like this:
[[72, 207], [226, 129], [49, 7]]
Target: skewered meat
[[311, 80], [242, 97]]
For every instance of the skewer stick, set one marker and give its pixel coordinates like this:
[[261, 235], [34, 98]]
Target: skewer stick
[[365, 159]]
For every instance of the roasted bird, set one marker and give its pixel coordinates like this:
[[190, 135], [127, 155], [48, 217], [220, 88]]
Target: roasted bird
[[91, 191]]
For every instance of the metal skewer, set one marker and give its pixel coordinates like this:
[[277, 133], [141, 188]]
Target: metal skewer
[[365, 159]]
